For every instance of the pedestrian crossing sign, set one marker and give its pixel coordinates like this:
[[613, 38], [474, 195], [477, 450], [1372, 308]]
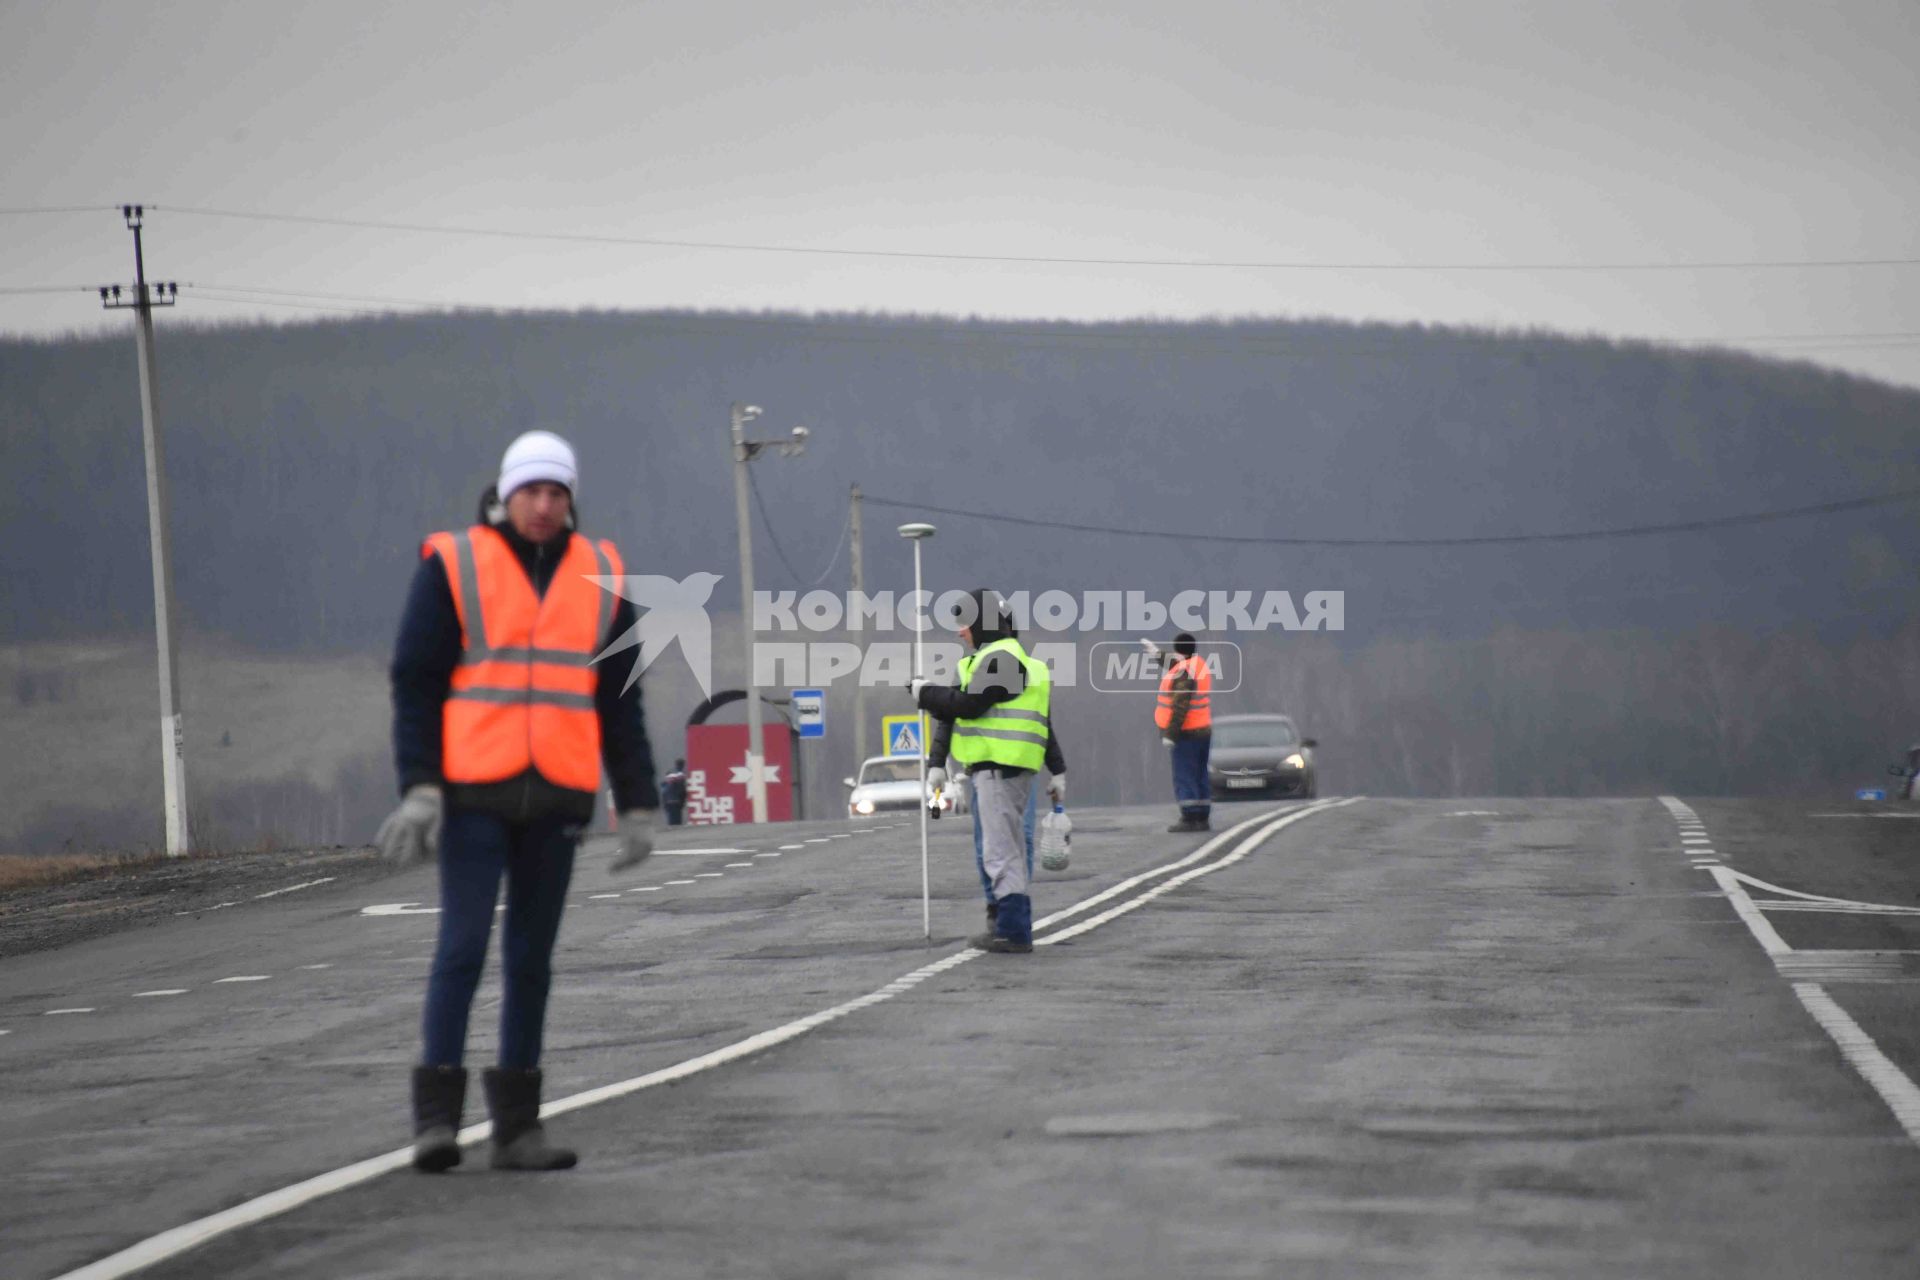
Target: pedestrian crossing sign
[[904, 735]]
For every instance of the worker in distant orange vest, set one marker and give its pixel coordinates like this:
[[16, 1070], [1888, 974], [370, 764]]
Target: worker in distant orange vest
[[502, 718], [1184, 717]]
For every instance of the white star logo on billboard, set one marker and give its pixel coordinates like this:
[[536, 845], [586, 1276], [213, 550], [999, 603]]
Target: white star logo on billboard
[[741, 775], [672, 611]]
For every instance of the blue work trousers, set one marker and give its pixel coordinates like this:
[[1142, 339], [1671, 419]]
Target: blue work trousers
[[536, 858], [979, 852], [1190, 785]]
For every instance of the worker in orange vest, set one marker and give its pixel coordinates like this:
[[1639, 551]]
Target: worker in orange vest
[[1184, 717], [503, 718]]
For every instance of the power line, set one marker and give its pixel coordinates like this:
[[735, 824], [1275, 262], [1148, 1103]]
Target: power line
[[761, 505], [1629, 531], [30, 210], [659, 242]]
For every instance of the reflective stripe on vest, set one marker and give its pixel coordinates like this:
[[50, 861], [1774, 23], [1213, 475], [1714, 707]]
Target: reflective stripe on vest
[[1199, 705], [522, 696], [1015, 732]]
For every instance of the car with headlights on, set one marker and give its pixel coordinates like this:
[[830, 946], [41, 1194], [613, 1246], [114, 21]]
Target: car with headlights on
[[893, 783], [1260, 756]]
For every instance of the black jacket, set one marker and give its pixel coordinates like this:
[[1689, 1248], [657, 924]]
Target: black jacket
[[424, 657]]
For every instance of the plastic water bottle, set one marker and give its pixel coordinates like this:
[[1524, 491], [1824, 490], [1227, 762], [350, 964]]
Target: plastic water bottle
[[1056, 839]]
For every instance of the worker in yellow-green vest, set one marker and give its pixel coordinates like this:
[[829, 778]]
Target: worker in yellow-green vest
[[998, 722]]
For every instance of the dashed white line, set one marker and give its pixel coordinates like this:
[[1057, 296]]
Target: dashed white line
[[739, 864], [244, 977], [597, 896], [54, 1013], [316, 966], [163, 991], [708, 875], [815, 840], [295, 888], [766, 855], [646, 888], [679, 882], [788, 848]]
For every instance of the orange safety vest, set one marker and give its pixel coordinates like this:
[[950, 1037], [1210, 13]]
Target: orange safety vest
[[522, 696], [1199, 707]]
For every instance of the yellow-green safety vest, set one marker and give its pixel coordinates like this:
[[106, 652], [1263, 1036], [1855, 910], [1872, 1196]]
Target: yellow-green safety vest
[[1014, 733]]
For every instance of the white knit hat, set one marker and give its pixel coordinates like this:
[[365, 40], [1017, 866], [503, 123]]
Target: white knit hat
[[537, 455]]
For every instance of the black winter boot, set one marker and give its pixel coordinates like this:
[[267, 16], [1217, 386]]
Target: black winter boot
[[439, 1093], [513, 1099]]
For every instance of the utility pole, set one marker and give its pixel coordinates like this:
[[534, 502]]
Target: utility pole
[[859, 687], [744, 452], [173, 762]]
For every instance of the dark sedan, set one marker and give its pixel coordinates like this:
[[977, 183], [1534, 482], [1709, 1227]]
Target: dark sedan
[[1259, 756]]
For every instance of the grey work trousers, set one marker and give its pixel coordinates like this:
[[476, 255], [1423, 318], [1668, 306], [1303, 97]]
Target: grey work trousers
[[1000, 803]]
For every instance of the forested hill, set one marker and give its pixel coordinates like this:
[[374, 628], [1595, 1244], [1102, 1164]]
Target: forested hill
[[307, 460]]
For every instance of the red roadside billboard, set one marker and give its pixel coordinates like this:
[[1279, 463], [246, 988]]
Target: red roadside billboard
[[717, 774]]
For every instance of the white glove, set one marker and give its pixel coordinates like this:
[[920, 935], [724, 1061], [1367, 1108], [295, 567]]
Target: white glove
[[936, 779], [915, 685], [1057, 788], [411, 833], [635, 829], [1150, 646], [1167, 743]]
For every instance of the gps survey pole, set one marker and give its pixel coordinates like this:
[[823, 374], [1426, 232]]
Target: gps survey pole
[[916, 534]]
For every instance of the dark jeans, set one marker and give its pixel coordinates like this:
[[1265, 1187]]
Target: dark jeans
[[1190, 785], [674, 810], [537, 859]]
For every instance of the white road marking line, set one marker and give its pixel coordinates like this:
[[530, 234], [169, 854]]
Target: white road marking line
[[1888, 1080], [54, 1013], [218, 906], [295, 888], [243, 977], [646, 888], [1845, 966], [1835, 908], [399, 909], [1474, 813], [1888, 814], [163, 991], [785, 847], [316, 966], [815, 840], [766, 855], [6, 1031], [178, 1240], [1818, 900], [690, 853], [739, 864], [841, 835], [708, 875], [1087, 904], [1893, 1085], [1240, 851], [679, 882], [597, 896]]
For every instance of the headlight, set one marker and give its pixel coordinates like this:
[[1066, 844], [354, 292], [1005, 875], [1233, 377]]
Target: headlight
[[1295, 761], [863, 806]]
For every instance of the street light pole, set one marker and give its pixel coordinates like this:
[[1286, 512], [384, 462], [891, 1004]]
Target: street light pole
[[173, 762], [744, 452], [918, 533]]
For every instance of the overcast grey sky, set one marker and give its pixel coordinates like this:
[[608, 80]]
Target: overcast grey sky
[[1375, 139]]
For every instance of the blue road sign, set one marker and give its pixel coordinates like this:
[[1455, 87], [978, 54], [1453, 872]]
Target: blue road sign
[[810, 712]]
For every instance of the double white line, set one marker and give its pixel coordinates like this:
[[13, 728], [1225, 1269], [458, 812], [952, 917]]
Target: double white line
[[178, 1240]]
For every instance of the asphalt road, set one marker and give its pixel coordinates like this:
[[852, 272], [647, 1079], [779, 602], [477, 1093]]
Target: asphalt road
[[1473, 1038]]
